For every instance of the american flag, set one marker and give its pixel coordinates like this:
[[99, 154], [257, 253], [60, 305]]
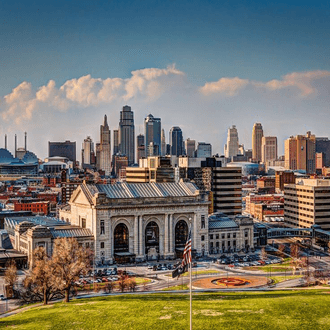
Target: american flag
[[187, 252], [186, 259]]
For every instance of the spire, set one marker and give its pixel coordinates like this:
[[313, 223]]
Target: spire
[[105, 121], [5, 141], [25, 144]]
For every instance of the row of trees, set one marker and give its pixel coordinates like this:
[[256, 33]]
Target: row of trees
[[53, 277]]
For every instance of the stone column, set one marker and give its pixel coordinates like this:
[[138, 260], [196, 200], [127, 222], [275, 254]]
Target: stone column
[[141, 252], [195, 230], [166, 238], [171, 234], [136, 236]]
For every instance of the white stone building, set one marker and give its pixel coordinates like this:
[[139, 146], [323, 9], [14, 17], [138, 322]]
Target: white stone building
[[140, 221]]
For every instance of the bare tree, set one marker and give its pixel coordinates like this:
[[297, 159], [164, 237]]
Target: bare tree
[[122, 283], [294, 253], [132, 284], [70, 261], [263, 254], [42, 279], [11, 275], [281, 248], [109, 287]]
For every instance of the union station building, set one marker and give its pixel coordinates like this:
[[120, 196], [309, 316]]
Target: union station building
[[138, 222]]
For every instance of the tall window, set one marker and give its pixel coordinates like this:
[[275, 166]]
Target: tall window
[[203, 221], [83, 222], [102, 231]]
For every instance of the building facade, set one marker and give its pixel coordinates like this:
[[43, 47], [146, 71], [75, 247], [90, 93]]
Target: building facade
[[204, 150], [176, 141], [307, 203], [257, 134], [126, 134], [140, 221], [190, 146], [152, 135], [63, 149], [300, 153], [228, 235], [268, 149], [232, 146]]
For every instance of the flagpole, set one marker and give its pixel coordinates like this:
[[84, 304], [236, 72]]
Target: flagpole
[[190, 289]]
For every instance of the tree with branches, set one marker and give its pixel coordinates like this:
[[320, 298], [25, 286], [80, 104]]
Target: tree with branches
[[41, 283], [294, 253], [11, 275], [70, 261], [122, 283], [132, 284]]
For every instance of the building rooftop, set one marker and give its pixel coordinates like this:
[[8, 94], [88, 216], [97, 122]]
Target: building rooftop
[[143, 190], [220, 221]]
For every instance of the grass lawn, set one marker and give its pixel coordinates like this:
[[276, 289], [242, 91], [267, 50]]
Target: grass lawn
[[303, 309], [177, 287], [278, 279]]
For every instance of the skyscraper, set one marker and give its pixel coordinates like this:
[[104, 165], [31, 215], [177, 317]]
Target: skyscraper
[[126, 134], [115, 142], [204, 150], [190, 146], [62, 149], [257, 134], [232, 146], [163, 143], [176, 141], [268, 148], [152, 134], [140, 152], [300, 153], [87, 151], [105, 147]]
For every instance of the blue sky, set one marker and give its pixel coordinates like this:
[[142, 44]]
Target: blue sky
[[257, 41]]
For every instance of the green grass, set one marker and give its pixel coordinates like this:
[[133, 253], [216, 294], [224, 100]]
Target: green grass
[[142, 280], [279, 279], [177, 287], [306, 309]]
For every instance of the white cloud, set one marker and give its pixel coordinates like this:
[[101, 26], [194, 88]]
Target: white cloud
[[227, 86], [76, 108]]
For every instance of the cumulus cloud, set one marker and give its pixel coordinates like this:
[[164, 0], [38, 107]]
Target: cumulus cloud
[[48, 111], [227, 86], [302, 82], [148, 84]]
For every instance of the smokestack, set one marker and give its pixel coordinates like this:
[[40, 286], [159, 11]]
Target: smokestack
[[15, 146], [25, 141], [6, 141]]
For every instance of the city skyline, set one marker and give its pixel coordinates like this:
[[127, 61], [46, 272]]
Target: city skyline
[[214, 66]]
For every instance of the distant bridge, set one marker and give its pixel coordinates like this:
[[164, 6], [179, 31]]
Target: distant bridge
[[315, 232]]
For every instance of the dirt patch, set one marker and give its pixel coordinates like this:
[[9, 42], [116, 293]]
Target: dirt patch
[[165, 317], [245, 311], [46, 306], [210, 283], [180, 312], [210, 312]]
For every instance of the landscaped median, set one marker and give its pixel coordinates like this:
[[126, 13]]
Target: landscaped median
[[303, 309]]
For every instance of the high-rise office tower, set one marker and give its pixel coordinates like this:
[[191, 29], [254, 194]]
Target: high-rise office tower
[[176, 141], [105, 147], [204, 150], [152, 134], [126, 134], [323, 146], [163, 143], [87, 151], [140, 152], [300, 153], [61, 149], [190, 146], [257, 134], [232, 146], [115, 142], [268, 148]]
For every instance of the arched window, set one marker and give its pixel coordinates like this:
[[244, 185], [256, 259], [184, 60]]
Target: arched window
[[121, 238]]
